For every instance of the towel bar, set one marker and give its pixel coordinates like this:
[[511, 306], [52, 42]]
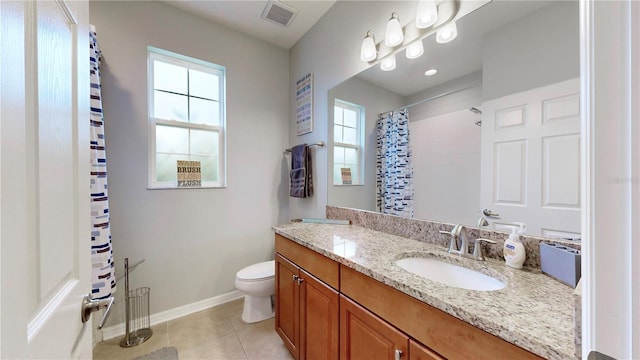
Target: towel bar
[[319, 143]]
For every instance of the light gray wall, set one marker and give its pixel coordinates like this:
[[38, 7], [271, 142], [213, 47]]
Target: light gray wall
[[537, 50], [375, 100], [446, 155], [194, 241], [459, 100], [446, 151], [331, 50]]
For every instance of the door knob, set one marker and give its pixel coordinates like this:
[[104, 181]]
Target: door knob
[[489, 213], [90, 305]]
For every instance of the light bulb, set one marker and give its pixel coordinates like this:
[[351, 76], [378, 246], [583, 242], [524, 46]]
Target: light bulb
[[393, 35], [427, 14], [415, 50], [368, 50], [388, 63], [447, 33], [430, 72]]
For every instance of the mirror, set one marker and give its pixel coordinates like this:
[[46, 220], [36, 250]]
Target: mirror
[[503, 48]]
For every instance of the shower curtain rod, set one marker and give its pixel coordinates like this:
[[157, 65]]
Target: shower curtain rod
[[432, 98]]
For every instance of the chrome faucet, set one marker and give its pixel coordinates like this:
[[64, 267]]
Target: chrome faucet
[[459, 232]]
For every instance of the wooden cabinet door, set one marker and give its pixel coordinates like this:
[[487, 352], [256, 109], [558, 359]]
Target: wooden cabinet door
[[319, 319], [365, 336], [288, 304], [418, 351]]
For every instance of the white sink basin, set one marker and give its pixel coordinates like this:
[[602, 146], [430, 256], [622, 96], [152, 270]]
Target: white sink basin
[[450, 274]]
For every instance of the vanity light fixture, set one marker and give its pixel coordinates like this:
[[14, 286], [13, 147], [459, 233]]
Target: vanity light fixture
[[393, 35], [415, 50], [368, 51], [430, 72], [427, 14], [447, 33], [388, 63], [432, 17]]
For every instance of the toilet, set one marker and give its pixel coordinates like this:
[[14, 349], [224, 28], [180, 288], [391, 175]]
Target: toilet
[[257, 282]]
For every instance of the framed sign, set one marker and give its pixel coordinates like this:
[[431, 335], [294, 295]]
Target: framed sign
[[189, 174], [304, 104], [346, 176]]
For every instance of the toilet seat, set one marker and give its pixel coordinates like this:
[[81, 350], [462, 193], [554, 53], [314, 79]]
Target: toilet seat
[[257, 272]]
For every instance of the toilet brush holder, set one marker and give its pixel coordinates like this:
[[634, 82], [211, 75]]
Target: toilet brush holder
[[137, 319]]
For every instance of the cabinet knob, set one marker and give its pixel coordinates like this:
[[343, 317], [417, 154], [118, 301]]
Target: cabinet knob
[[295, 278], [398, 354], [300, 280]]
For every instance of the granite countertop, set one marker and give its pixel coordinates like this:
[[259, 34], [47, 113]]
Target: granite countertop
[[533, 311]]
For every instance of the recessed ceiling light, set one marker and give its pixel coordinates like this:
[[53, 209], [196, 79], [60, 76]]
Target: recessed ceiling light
[[430, 72]]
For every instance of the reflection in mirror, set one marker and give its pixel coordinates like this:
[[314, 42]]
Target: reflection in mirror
[[516, 63]]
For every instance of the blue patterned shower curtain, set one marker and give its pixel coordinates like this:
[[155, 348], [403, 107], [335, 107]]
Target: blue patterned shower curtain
[[394, 177], [102, 277]]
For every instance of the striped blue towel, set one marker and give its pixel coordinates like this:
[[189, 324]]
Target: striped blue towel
[[301, 172]]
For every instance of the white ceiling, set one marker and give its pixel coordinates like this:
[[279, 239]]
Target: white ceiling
[[244, 16]]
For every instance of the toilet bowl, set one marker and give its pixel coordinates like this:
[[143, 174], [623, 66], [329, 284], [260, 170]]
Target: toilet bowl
[[257, 282]]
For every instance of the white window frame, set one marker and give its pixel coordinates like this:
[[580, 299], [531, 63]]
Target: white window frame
[[360, 137], [195, 64]]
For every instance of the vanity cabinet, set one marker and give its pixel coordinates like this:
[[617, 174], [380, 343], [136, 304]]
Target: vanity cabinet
[[450, 337], [418, 351], [320, 302], [363, 335], [307, 315]]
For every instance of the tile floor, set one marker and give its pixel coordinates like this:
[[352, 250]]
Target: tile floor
[[216, 333]]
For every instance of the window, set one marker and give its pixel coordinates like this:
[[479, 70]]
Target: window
[[348, 143], [187, 118]]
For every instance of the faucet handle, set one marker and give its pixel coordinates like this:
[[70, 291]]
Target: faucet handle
[[453, 240], [477, 248], [457, 233]]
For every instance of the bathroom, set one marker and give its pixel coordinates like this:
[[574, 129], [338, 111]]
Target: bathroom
[[194, 241]]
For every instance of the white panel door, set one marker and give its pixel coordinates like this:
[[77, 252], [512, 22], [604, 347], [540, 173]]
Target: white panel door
[[44, 208], [530, 168]]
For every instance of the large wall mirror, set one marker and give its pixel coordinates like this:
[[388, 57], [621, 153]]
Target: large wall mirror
[[496, 128]]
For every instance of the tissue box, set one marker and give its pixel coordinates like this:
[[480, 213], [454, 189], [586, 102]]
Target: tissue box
[[560, 262]]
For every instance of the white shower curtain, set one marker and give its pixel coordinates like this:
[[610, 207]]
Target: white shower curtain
[[102, 276], [394, 177]]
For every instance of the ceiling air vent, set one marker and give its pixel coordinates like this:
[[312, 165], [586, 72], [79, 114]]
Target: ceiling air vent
[[279, 13]]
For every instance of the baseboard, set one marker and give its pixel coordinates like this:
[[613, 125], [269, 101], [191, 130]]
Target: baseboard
[[178, 312]]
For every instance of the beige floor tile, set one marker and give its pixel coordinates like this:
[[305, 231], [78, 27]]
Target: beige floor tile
[[261, 342], [224, 347], [230, 308], [216, 333], [237, 322], [111, 350], [197, 329]]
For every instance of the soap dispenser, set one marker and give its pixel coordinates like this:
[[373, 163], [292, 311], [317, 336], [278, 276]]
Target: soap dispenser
[[514, 252]]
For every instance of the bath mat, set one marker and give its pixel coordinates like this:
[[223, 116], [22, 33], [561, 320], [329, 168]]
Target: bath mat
[[166, 353]]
